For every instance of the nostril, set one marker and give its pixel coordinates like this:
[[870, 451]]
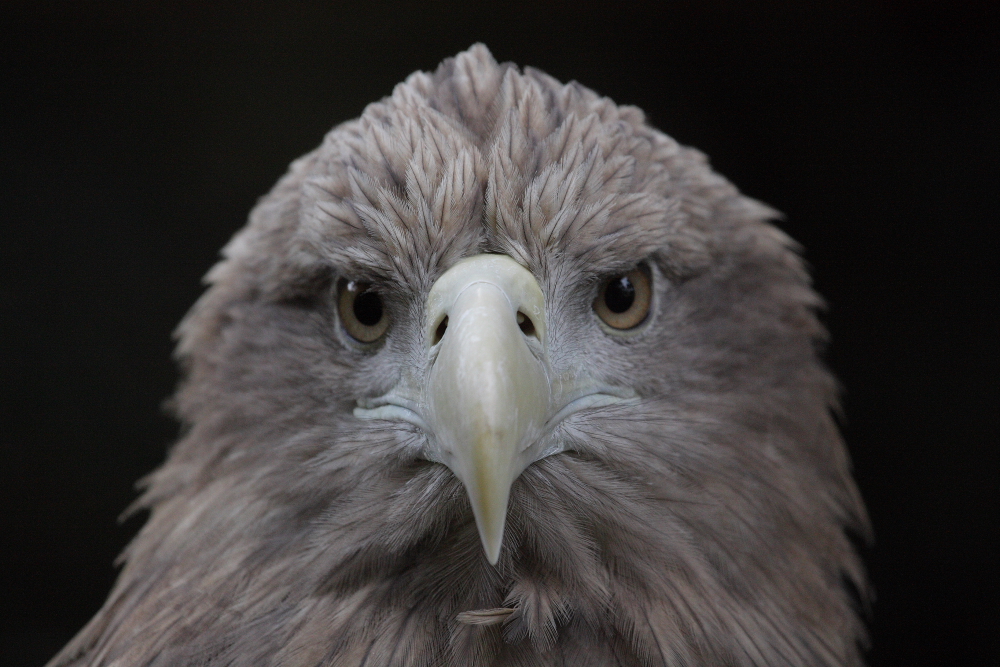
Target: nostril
[[439, 332], [525, 324]]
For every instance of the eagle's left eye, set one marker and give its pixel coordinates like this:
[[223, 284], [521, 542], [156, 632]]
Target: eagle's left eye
[[623, 301], [361, 311]]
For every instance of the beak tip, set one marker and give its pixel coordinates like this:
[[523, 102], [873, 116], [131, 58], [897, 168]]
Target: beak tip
[[491, 547], [491, 518]]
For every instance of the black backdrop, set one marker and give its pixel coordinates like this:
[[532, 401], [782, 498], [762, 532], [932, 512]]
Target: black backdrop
[[137, 136]]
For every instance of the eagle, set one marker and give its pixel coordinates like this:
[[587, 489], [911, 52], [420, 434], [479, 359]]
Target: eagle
[[498, 375]]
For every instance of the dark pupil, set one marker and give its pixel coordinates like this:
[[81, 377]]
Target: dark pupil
[[619, 295], [368, 308]]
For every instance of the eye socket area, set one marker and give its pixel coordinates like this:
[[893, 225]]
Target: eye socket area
[[362, 311], [623, 301]]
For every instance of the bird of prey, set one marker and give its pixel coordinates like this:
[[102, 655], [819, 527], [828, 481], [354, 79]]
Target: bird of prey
[[497, 375]]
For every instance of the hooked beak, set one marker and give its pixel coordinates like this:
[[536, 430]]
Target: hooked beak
[[488, 390], [489, 401]]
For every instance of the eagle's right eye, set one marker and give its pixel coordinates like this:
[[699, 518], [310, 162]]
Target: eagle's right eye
[[361, 310]]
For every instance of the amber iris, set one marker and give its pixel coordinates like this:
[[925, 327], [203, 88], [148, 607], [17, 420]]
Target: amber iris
[[623, 300], [361, 311]]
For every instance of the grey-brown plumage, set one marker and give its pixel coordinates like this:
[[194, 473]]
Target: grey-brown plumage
[[696, 517]]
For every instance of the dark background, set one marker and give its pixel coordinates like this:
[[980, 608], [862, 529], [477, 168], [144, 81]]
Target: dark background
[[136, 137]]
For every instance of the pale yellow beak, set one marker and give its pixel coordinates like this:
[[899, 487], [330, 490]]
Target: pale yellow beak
[[488, 391], [488, 400]]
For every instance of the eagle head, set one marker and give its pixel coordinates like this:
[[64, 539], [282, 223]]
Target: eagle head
[[497, 375]]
